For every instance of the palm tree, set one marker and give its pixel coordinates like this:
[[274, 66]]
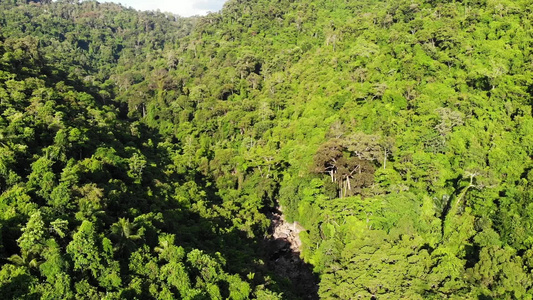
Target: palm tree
[[124, 234]]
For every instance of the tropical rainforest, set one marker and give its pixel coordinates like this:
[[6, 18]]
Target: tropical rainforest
[[141, 153]]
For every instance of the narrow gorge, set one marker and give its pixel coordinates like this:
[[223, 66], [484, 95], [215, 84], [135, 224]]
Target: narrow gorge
[[284, 256]]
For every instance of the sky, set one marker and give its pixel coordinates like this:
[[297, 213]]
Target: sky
[[184, 8]]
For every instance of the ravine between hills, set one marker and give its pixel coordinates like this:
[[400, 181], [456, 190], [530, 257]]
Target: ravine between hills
[[284, 256]]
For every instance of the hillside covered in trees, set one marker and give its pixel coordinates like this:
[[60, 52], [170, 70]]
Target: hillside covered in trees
[[142, 153]]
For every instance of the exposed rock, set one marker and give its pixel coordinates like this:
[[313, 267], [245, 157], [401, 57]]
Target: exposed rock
[[284, 258]]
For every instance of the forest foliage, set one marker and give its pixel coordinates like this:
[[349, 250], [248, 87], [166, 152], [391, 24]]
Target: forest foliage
[[141, 152]]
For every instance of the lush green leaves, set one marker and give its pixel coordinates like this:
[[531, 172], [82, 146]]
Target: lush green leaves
[[141, 152]]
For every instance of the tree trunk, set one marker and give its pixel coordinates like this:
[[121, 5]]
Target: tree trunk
[[385, 160]]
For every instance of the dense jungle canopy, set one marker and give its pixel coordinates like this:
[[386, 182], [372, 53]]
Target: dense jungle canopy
[[141, 153]]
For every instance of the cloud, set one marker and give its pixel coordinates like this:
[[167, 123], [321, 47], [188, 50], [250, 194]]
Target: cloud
[[209, 5], [185, 8]]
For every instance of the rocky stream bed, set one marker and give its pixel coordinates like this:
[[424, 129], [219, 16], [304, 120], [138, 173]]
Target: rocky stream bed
[[284, 256]]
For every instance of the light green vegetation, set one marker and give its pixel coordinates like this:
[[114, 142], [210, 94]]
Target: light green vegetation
[[140, 152]]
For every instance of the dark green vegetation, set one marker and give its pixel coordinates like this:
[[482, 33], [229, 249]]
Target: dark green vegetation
[[140, 152]]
